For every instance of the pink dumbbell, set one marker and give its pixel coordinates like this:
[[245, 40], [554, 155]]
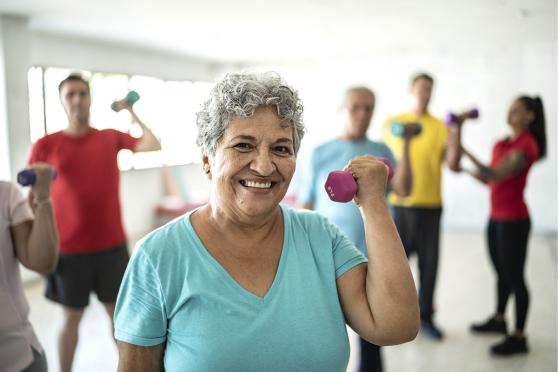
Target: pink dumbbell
[[342, 187], [452, 119]]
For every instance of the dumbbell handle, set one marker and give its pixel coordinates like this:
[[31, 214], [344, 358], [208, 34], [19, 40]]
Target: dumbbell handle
[[342, 187], [131, 98], [452, 118], [27, 177]]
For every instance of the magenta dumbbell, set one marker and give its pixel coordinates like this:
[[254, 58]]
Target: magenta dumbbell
[[452, 119], [342, 187]]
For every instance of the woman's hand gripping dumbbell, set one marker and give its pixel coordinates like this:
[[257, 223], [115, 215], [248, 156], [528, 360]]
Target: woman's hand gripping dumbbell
[[364, 177], [28, 177], [453, 119], [39, 176]]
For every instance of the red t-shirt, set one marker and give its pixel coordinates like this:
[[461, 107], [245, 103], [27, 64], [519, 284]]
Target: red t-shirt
[[506, 197], [85, 194]]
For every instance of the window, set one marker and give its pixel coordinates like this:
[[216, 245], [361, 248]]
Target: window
[[167, 107]]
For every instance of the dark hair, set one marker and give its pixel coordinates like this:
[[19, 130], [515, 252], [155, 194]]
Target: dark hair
[[73, 77], [422, 75], [537, 127]]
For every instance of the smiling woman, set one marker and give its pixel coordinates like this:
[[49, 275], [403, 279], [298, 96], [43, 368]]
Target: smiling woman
[[253, 164], [244, 284]]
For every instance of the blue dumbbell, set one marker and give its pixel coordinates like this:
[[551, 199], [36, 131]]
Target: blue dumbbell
[[398, 129], [27, 177]]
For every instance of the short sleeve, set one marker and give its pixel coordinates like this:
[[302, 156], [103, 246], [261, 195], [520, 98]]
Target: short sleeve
[[345, 254], [389, 140], [387, 153], [37, 153], [19, 209], [307, 193], [531, 149], [140, 315], [386, 129], [443, 136], [126, 141]]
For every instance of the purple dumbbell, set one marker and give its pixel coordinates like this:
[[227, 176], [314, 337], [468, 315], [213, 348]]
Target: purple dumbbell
[[452, 119], [342, 187], [27, 177]]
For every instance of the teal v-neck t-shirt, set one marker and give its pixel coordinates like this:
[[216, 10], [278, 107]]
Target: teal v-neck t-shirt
[[174, 291]]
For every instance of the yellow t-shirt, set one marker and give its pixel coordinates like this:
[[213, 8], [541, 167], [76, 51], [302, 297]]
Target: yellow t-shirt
[[426, 154]]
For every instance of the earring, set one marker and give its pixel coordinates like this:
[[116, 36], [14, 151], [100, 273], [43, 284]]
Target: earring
[[206, 168]]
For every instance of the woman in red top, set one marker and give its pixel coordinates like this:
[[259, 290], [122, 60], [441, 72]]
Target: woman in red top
[[509, 224]]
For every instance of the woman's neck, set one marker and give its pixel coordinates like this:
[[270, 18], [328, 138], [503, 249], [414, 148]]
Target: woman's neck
[[254, 228], [516, 132]]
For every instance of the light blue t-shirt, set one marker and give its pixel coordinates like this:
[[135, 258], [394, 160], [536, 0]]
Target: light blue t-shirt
[[174, 291], [335, 155]]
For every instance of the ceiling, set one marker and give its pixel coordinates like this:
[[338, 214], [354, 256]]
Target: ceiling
[[294, 30]]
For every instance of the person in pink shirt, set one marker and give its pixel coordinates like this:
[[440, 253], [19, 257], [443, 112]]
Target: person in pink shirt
[[27, 236]]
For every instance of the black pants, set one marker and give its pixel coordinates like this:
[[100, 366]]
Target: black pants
[[419, 229], [507, 244], [370, 357]]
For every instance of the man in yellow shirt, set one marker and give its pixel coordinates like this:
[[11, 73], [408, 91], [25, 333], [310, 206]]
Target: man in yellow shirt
[[417, 215]]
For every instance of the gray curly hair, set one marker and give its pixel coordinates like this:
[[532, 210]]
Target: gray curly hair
[[240, 94]]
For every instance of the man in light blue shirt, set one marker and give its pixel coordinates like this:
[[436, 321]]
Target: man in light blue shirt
[[358, 107]]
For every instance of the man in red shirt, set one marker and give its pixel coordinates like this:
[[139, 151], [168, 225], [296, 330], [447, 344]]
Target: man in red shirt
[[85, 196]]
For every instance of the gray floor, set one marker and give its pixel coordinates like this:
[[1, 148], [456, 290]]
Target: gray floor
[[465, 293]]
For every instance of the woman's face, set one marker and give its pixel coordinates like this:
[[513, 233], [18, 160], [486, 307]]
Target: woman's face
[[253, 164], [518, 115]]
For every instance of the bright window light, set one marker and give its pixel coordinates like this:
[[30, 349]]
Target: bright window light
[[167, 107]]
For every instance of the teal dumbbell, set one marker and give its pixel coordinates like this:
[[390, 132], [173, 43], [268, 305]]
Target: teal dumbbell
[[398, 129], [131, 98]]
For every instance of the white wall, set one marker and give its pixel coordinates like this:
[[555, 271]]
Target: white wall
[[488, 79], [14, 55], [5, 170], [63, 51]]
